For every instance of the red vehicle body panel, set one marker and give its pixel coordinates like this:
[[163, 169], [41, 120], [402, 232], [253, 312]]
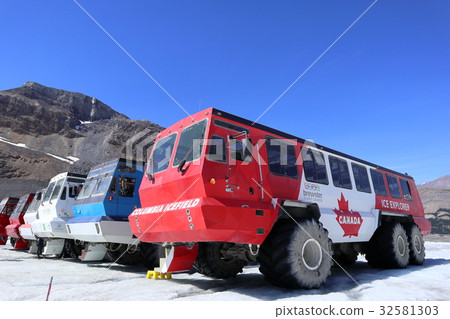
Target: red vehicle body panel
[[9, 205], [16, 220]]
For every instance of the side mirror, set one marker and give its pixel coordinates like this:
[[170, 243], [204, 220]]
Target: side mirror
[[149, 172]]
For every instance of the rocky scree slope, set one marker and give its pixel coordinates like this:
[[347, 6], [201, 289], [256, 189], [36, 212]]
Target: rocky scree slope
[[45, 131]]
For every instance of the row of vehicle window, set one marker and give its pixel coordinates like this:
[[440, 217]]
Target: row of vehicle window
[[54, 189], [108, 184], [284, 163], [314, 166], [92, 188], [281, 155]]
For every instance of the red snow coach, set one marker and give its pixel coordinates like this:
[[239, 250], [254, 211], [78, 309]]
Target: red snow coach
[[221, 191], [7, 206], [16, 220]]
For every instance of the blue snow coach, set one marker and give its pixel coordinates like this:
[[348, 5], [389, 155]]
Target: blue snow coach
[[100, 225]]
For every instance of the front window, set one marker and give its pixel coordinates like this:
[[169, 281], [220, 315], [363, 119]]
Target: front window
[[94, 173], [102, 186], [108, 169], [3, 205], [35, 203], [86, 191], [57, 189], [6, 208], [20, 207], [162, 153], [48, 192], [190, 145]]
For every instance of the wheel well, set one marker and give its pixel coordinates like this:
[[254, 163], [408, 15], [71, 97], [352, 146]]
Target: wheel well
[[297, 210], [399, 218]]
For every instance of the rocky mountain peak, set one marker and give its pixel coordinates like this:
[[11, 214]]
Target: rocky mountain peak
[[45, 131], [42, 110], [442, 182]]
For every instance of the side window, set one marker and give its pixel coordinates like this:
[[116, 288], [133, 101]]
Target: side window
[[393, 186], [63, 194], [127, 185], [282, 158], [361, 178], [25, 208], [406, 190], [9, 209], [340, 172], [378, 183], [241, 150], [314, 166], [216, 149], [73, 191], [113, 186]]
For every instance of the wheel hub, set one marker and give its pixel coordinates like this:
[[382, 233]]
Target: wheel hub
[[311, 254], [417, 244], [401, 247]]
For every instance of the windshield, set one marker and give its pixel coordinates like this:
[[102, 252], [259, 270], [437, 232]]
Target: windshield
[[94, 172], [2, 205], [57, 189], [20, 206], [87, 188], [35, 203], [102, 186], [190, 145], [49, 191], [109, 168], [161, 154]]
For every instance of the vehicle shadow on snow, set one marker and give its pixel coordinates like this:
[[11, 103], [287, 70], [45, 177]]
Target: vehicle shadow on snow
[[107, 265], [255, 286]]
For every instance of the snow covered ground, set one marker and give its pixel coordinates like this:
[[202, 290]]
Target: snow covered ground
[[24, 277]]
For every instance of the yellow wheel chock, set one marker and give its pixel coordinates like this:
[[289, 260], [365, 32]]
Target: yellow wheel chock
[[151, 274]]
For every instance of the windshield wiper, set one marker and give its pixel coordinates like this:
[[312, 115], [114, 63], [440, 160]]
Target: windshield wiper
[[183, 161]]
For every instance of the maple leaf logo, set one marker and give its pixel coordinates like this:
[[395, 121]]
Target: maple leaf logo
[[350, 221]]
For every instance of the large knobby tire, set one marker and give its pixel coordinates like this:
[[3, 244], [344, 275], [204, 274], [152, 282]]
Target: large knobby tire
[[296, 254], [416, 244], [149, 255], [71, 249], [212, 261], [388, 247]]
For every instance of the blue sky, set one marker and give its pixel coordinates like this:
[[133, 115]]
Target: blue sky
[[381, 93]]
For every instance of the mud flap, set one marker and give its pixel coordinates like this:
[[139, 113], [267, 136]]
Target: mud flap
[[93, 252], [178, 259], [53, 247]]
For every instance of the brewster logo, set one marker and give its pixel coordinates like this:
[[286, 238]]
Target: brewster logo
[[350, 221]]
